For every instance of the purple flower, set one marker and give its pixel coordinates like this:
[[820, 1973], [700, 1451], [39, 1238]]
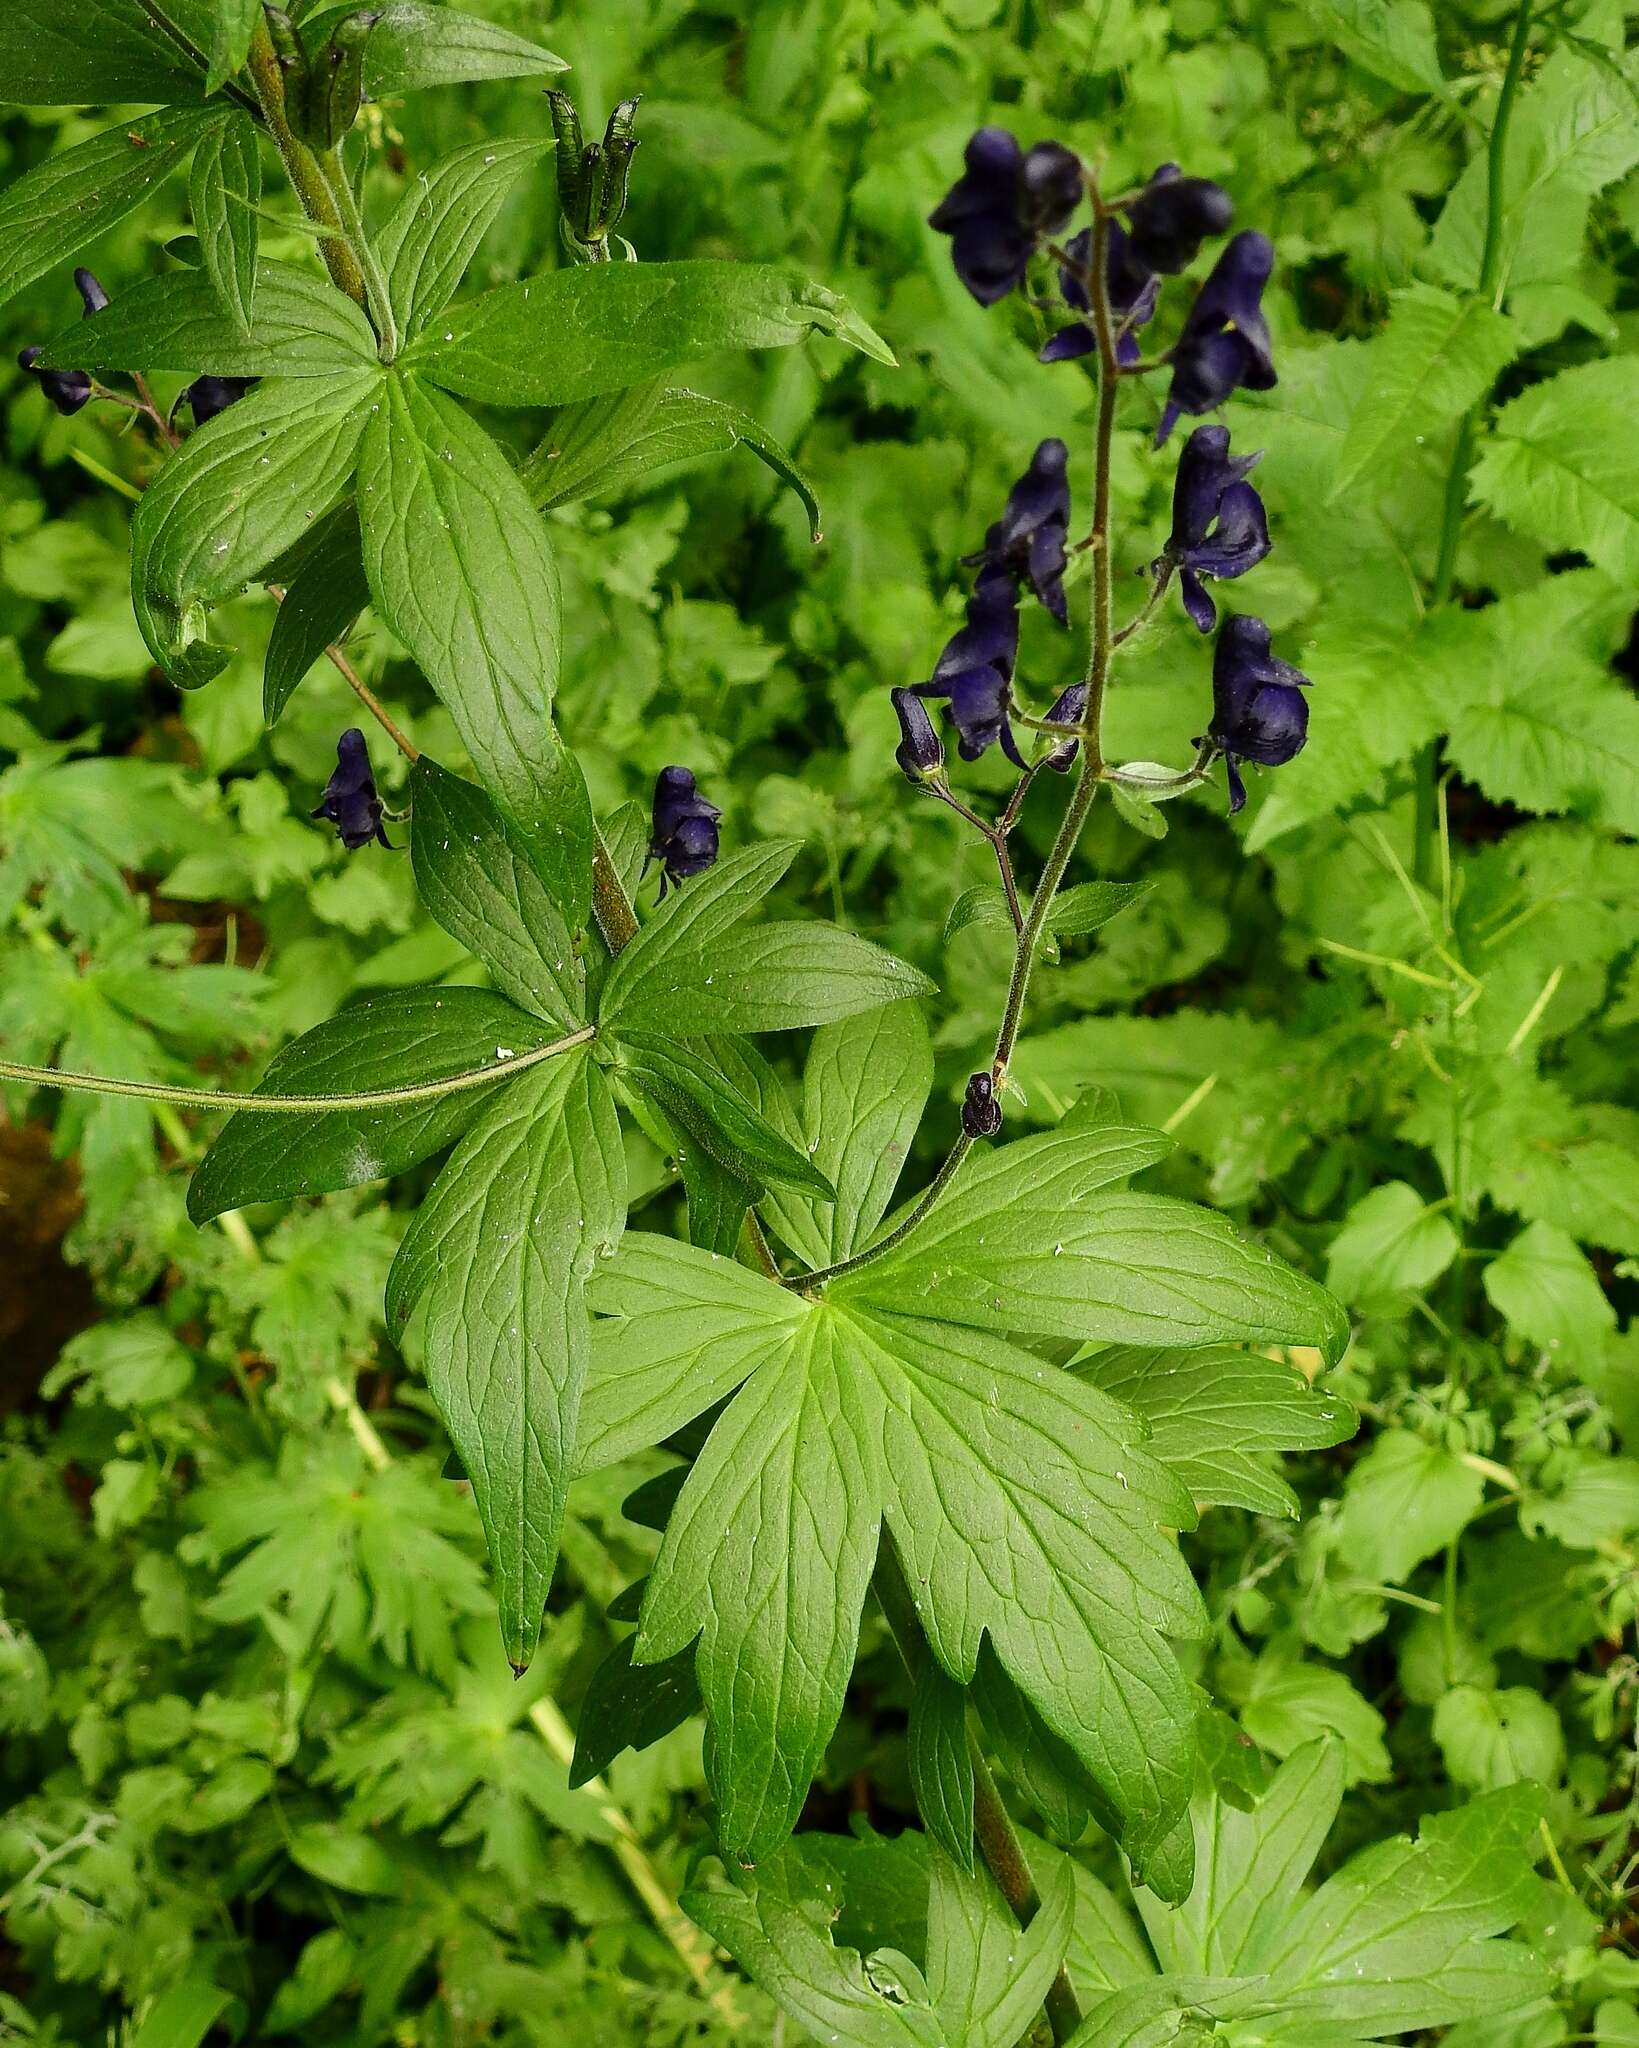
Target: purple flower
[[207, 396], [976, 668], [920, 752], [1172, 216], [1259, 711], [1005, 202], [1225, 342], [981, 1112], [350, 801], [1027, 542], [684, 834], [1218, 523], [68, 390], [1067, 708], [1133, 295], [92, 295]]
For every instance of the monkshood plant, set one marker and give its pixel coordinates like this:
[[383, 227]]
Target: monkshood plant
[[993, 1407]]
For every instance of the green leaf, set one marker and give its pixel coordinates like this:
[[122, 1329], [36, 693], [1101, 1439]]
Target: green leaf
[[1102, 1267], [864, 1089], [1399, 1939], [602, 445], [501, 1250], [599, 327], [391, 1041], [1392, 39], [243, 489], [1217, 1415], [630, 1706], [678, 1330], [48, 215], [1545, 1288], [855, 1419], [81, 53], [1404, 1500], [224, 191], [941, 1768], [772, 977], [182, 2015], [231, 24], [320, 606], [1252, 1866], [414, 46], [1438, 356], [1090, 905], [475, 877], [461, 570], [1288, 1702], [1391, 1244], [305, 328], [1554, 465], [986, 1976], [692, 921], [694, 1092], [434, 231], [1491, 1739]]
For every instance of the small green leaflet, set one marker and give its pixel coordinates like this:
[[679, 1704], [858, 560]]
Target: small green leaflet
[[304, 328], [243, 489], [461, 569], [589, 329], [1555, 465], [50, 213], [434, 231], [390, 1041], [231, 22], [1392, 39], [224, 191], [984, 1977], [501, 1249]]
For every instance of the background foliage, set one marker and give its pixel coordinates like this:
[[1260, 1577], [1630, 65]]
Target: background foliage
[[255, 1732]]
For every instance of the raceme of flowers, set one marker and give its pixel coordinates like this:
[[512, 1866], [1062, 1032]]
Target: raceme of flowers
[[1011, 207]]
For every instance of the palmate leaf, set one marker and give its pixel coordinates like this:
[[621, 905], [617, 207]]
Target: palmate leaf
[[1025, 1506], [984, 1978]]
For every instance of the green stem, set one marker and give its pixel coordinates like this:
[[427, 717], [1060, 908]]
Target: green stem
[[306, 179], [370, 1098], [1462, 453], [377, 296]]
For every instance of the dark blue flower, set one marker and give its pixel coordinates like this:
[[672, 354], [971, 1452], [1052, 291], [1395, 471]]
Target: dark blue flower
[[350, 801], [1068, 708], [205, 397], [1027, 542], [1133, 294], [92, 295], [1225, 342], [1006, 201], [1218, 523], [1259, 711], [1172, 216], [68, 390], [976, 668], [920, 752], [981, 1112], [684, 828]]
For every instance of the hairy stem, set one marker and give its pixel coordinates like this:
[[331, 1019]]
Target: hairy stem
[[213, 1098], [378, 298], [1462, 453], [306, 179]]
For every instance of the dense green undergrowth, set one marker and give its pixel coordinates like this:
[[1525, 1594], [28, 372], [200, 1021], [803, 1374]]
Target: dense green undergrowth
[[257, 1742]]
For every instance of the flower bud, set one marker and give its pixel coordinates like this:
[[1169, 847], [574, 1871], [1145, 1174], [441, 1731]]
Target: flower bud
[[89, 287], [1172, 216], [683, 834], [206, 396], [350, 801], [921, 752], [1068, 708], [981, 1112], [68, 390]]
